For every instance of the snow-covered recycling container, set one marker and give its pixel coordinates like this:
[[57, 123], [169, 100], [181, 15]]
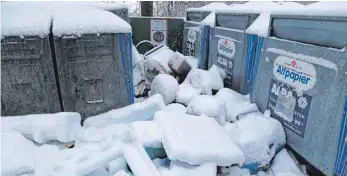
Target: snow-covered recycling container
[[301, 78], [231, 48], [93, 59], [28, 83], [196, 35]]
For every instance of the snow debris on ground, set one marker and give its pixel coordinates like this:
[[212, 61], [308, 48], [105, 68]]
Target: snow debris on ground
[[117, 165], [99, 172], [86, 20], [15, 160], [41, 128], [208, 105], [237, 171], [192, 61], [236, 103], [175, 108], [128, 114], [178, 168], [138, 160], [186, 139], [217, 76], [121, 173], [259, 138], [148, 133], [284, 164], [166, 86]]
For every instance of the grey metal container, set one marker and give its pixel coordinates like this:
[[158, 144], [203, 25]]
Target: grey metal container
[[28, 85], [196, 37], [305, 86], [229, 47], [95, 72]]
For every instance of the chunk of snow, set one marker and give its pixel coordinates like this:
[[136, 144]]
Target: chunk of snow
[[62, 126], [258, 137], [148, 133], [128, 114], [306, 58], [208, 105], [217, 76], [236, 103], [175, 108], [117, 165], [136, 55], [162, 55], [210, 20], [209, 7], [186, 139], [178, 168], [138, 160], [186, 93], [99, 172], [283, 163], [200, 80], [121, 173], [237, 171], [82, 161], [86, 20], [16, 154], [166, 86]]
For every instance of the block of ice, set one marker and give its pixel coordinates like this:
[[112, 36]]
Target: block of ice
[[176, 108], [165, 85], [259, 138], [99, 172], [128, 114], [121, 173], [62, 126], [236, 103], [208, 105], [196, 140], [148, 133]]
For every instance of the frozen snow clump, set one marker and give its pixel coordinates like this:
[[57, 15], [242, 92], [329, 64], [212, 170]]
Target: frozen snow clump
[[166, 86]]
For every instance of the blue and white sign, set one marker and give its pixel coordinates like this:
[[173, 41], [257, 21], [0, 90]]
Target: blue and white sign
[[225, 59], [226, 48], [288, 106], [296, 73]]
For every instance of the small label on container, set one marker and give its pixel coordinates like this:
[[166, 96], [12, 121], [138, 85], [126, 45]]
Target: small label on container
[[288, 106], [191, 38], [225, 59]]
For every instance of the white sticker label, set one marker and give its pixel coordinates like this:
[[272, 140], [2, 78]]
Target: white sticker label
[[191, 36], [226, 48], [295, 73]]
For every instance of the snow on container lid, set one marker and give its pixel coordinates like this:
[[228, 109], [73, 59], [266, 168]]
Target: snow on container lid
[[255, 7], [97, 4], [86, 20], [330, 8], [209, 7], [25, 19], [260, 26]]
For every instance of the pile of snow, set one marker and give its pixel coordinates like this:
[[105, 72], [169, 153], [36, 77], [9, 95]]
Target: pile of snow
[[121, 173], [186, 92], [236, 103], [191, 60], [86, 20], [117, 165], [259, 138], [178, 168], [175, 108], [148, 133], [166, 86], [41, 128], [208, 105], [209, 7], [186, 138], [128, 114]]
